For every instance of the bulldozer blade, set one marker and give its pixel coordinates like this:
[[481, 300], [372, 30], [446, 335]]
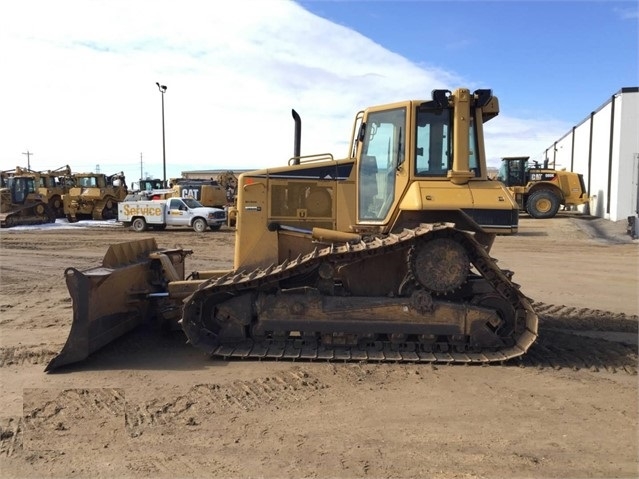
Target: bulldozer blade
[[112, 299]]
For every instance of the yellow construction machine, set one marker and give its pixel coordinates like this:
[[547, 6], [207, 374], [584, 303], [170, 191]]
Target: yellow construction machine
[[540, 190], [94, 196], [52, 185], [228, 181], [379, 256], [208, 192], [20, 201]]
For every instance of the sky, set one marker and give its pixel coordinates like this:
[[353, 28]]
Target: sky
[[78, 82]]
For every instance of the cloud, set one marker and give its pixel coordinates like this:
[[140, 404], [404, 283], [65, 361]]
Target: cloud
[[508, 136], [628, 13], [81, 85]]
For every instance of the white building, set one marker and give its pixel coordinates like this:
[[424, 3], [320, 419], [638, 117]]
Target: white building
[[604, 147]]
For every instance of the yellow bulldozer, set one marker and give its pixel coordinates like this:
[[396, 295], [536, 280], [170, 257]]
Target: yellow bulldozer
[[380, 256], [94, 196], [20, 202], [52, 185], [540, 190]]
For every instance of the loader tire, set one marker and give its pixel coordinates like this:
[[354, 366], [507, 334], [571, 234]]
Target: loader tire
[[138, 225], [542, 204]]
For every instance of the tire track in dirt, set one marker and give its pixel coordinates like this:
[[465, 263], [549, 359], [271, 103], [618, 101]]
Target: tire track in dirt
[[560, 350], [62, 419], [204, 400], [161, 464], [59, 416], [19, 355], [563, 340], [11, 436], [567, 317], [73, 404]]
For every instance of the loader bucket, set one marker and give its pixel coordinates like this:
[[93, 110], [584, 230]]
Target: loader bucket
[[114, 298]]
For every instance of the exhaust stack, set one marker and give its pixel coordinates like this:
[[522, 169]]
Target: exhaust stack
[[297, 139]]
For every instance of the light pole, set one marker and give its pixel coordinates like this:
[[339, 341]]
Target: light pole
[[162, 89]]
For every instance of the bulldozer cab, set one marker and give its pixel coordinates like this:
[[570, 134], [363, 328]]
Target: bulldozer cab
[[91, 181], [427, 157], [388, 141], [410, 162], [20, 188]]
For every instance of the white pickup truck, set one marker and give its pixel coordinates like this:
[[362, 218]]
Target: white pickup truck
[[158, 214]]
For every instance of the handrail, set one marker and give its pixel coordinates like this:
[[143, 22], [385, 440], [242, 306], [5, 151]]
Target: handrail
[[311, 158]]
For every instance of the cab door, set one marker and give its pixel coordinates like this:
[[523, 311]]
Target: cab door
[[382, 152], [178, 212]]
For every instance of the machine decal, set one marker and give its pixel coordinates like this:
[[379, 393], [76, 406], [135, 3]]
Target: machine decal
[[338, 172]]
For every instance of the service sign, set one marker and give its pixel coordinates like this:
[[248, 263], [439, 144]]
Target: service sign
[[149, 211]]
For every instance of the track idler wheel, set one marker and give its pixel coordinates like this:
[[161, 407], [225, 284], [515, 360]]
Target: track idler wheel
[[440, 265], [504, 310]]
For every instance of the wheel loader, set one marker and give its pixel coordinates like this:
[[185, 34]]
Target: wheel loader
[[20, 202], [94, 196], [380, 256], [540, 190]]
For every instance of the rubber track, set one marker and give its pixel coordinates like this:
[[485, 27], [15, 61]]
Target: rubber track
[[241, 282]]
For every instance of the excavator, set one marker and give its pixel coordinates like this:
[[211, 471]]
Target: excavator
[[380, 256]]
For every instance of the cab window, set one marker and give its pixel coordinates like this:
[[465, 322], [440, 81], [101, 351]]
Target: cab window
[[176, 204], [383, 151], [473, 163], [433, 143]]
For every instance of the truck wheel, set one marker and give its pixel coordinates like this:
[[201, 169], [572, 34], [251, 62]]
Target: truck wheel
[[542, 204], [199, 225], [138, 225], [215, 227]]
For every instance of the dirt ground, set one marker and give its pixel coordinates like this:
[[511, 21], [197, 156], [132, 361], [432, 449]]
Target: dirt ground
[[156, 407]]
